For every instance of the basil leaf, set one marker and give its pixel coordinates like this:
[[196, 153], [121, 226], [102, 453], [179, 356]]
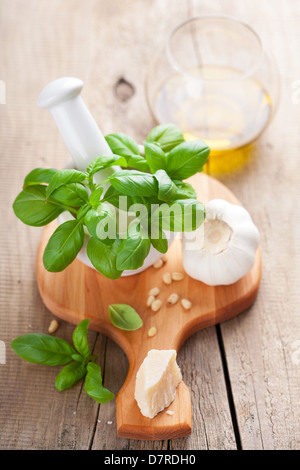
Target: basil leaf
[[102, 223], [166, 188], [70, 375], [73, 194], [134, 183], [113, 197], [43, 349], [80, 338], [103, 257], [124, 317], [32, 208], [83, 211], [64, 245], [167, 135], [93, 384], [160, 244], [77, 357], [155, 157], [122, 144], [132, 252], [183, 215], [187, 159], [138, 162], [105, 161], [39, 175], [95, 196], [62, 177], [184, 190]]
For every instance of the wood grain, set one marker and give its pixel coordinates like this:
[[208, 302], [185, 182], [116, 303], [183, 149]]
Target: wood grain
[[80, 292], [255, 406]]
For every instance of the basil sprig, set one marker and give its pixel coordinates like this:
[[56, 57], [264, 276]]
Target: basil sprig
[[152, 178], [78, 362]]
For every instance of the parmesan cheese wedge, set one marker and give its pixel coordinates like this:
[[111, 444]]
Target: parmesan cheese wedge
[[156, 381]]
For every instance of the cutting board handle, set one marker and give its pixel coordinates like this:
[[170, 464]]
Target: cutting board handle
[[133, 425]]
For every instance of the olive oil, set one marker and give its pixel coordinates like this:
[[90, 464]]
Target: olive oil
[[218, 105]]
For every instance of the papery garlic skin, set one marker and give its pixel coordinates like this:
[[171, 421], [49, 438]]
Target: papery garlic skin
[[223, 248]]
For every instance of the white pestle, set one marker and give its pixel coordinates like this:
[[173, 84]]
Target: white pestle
[[84, 141], [77, 126]]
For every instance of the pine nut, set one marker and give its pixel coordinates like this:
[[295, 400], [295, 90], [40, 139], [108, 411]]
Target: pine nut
[[173, 298], [154, 291], [53, 326], [167, 278], [177, 276], [170, 412], [150, 300], [186, 304], [158, 263], [152, 331], [155, 305], [164, 258]]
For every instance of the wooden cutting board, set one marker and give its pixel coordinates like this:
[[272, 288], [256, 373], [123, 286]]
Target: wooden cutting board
[[80, 292]]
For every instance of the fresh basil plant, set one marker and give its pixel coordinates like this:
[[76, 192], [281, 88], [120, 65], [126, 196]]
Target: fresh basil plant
[[150, 185]]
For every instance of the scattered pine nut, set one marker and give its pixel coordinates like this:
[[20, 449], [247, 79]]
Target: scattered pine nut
[[177, 276], [155, 305], [158, 263], [154, 291], [152, 331], [167, 278], [170, 412], [173, 298], [164, 258], [53, 326], [150, 300], [186, 304]]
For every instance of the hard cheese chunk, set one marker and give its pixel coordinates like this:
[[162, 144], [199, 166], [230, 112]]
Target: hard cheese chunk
[[156, 381]]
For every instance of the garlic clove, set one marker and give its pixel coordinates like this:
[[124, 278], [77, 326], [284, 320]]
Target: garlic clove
[[223, 249]]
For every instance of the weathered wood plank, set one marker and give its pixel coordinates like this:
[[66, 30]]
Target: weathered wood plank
[[261, 344]]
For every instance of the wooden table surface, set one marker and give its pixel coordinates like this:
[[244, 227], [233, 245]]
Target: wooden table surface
[[244, 375]]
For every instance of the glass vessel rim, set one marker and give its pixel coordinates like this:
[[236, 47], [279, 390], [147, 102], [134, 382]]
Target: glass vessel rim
[[248, 73]]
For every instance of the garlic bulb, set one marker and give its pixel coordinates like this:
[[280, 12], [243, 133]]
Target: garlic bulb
[[223, 248]]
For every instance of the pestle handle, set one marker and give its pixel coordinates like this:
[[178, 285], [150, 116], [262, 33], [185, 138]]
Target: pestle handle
[[77, 126]]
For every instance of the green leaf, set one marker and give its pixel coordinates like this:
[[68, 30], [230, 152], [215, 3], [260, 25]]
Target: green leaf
[[155, 157], [132, 252], [167, 190], [80, 338], [167, 135], [83, 211], [43, 349], [70, 375], [183, 215], [134, 183], [138, 162], [105, 161], [112, 196], [73, 194], [32, 208], [124, 317], [123, 145], [62, 177], [64, 245], [39, 175], [102, 223], [187, 159], [95, 196], [103, 257], [160, 244], [93, 384], [184, 190]]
